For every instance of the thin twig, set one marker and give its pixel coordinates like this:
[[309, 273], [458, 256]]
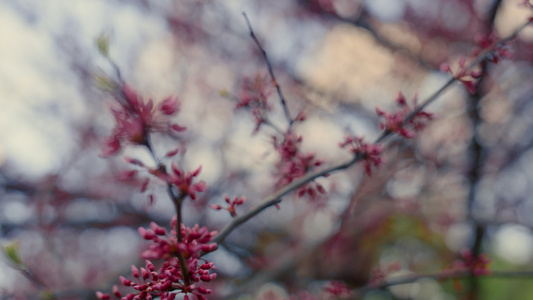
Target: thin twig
[[177, 201], [482, 56], [275, 198], [270, 71]]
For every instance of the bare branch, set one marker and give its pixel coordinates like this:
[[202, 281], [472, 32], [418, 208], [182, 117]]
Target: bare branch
[[270, 71]]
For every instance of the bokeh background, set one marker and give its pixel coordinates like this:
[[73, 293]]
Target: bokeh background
[[463, 183]]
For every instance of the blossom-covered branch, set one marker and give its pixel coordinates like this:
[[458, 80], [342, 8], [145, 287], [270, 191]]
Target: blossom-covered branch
[[275, 198]]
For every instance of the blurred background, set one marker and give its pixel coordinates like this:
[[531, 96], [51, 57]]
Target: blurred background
[[462, 183]]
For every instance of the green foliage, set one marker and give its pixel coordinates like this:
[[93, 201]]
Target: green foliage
[[102, 42], [12, 252]]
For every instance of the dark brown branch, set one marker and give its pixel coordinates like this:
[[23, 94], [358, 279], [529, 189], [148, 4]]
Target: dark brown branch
[[270, 71], [477, 152]]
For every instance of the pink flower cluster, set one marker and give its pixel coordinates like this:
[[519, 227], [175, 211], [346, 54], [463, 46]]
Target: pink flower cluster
[[233, 203], [162, 282], [183, 181], [295, 164], [253, 95], [371, 152], [195, 241], [135, 119], [151, 282], [487, 41], [468, 77], [396, 121]]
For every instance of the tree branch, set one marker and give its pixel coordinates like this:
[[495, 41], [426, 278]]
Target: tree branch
[[270, 71], [276, 197]]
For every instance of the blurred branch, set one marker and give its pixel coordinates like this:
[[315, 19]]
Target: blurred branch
[[364, 22], [445, 275], [477, 152], [275, 198]]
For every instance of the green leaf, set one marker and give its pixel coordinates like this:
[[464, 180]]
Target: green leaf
[[103, 44], [104, 83], [224, 93], [12, 251]]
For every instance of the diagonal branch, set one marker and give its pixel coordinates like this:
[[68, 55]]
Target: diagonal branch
[[275, 198], [406, 279], [270, 71]]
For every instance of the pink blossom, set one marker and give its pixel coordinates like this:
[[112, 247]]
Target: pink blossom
[[371, 152], [169, 106], [135, 119], [253, 95], [396, 121], [233, 203], [194, 241], [183, 181], [294, 164], [167, 281], [487, 41]]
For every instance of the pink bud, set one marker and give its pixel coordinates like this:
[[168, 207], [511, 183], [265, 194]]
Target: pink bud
[[145, 273], [172, 152], [209, 247], [102, 296], [240, 201], [207, 266], [401, 99], [145, 185], [157, 229], [150, 266], [169, 106], [178, 128], [197, 171], [146, 234], [116, 292], [127, 175], [135, 271], [125, 281], [204, 290], [175, 169]]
